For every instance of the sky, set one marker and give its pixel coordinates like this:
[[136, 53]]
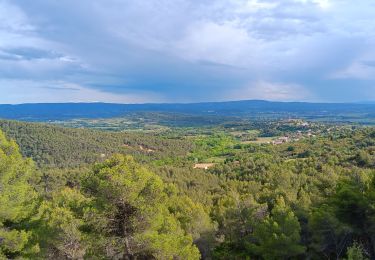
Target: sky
[[137, 51]]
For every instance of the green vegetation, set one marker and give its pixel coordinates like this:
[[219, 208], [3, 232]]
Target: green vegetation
[[120, 210], [135, 195], [59, 147], [18, 201]]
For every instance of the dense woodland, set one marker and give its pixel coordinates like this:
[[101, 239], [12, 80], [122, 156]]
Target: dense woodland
[[84, 194]]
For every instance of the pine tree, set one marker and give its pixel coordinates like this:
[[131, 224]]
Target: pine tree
[[278, 235], [18, 200]]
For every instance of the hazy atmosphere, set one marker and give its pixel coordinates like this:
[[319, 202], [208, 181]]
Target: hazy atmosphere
[[186, 51]]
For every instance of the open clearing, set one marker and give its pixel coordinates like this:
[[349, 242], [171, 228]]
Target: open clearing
[[260, 140]]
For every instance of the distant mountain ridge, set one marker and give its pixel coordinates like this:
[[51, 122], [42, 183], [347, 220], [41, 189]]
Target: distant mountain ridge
[[248, 108]]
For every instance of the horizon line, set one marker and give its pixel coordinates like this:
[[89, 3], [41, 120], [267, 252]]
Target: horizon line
[[369, 102]]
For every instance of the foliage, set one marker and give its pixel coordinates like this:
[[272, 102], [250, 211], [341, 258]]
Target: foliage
[[131, 213], [312, 198], [355, 252], [280, 232], [18, 200]]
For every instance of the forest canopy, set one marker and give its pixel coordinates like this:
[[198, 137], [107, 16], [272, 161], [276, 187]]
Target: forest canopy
[[313, 198]]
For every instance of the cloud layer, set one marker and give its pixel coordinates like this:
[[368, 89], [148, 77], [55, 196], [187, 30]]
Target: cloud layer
[[184, 50]]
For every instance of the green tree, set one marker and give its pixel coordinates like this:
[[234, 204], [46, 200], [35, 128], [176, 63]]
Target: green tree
[[193, 219], [329, 235], [237, 217], [59, 225], [356, 252], [131, 215], [18, 200], [278, 235]]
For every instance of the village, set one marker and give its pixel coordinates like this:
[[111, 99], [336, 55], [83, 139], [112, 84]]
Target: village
[[294, 131]]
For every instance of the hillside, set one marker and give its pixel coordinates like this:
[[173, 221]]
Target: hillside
[[254, 196], [61, 147]]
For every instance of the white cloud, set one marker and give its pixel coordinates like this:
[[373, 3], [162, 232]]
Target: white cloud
[[161, 45], [251, 6], [356, 70], [13, 19], [323, 4], [272, 91], [15, 27], [27, 91], [221, 43]]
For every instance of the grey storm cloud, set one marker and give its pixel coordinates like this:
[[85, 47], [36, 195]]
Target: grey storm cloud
[[185, 50]]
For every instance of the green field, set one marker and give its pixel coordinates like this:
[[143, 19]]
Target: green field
[[260, 140]]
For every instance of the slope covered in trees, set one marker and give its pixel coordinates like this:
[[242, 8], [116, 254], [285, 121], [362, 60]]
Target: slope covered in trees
[[64, 147], [120, 211], [313, 198]]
